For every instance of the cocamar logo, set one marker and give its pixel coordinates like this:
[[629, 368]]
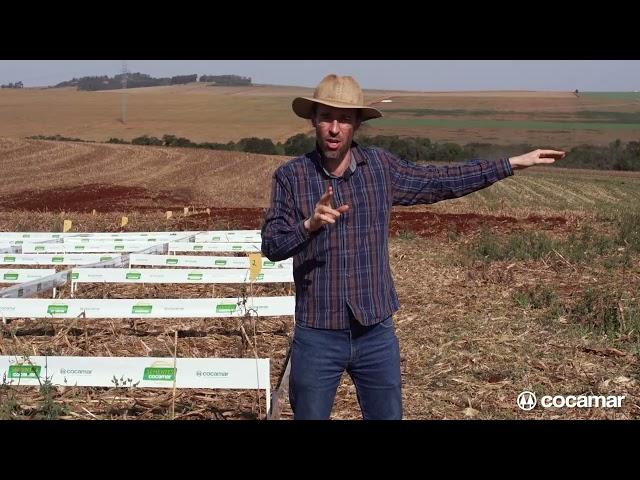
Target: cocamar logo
[[24, 371], [220, 262], [10, 276], [197, 247], [159, 371], [172, 261], [194, 276], [57, 259], [142, 308], [133, 275], [226, 308], [9, 259], [118, 247], [74, 275], [236, 247], [39, 248], [57, 308], [79, 247], [268, 263], [75, 371]]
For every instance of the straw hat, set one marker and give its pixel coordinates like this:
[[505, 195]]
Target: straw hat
[[335, 91]]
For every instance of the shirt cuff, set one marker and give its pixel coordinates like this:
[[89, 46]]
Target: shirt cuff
[[504, 168], [302, 233]]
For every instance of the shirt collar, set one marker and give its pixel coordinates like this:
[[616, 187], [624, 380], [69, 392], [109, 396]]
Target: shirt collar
[[357, 158]]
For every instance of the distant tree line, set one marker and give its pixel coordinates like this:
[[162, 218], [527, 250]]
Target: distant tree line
[[138, 80], [615, 156], [13, 85], [234, 80]]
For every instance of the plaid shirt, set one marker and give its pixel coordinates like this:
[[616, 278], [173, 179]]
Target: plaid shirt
[[346, 264]]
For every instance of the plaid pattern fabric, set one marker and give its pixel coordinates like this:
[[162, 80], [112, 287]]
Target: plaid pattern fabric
[[345, 265]]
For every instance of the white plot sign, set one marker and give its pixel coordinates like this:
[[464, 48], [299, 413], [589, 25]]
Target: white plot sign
[[24, 274], [146, 308], [44, 259], [214, 247], [143, 372], [164, 275], [127, 235], [202, 261], [209, 237], [97, 247]]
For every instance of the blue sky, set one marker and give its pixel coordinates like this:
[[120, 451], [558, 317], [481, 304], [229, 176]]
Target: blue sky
[[428, 75]]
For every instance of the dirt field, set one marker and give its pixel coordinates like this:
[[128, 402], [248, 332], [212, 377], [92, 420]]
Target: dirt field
[[474, 330]]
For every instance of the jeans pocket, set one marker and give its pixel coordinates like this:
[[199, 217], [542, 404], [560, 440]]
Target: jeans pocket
[[387, 323]]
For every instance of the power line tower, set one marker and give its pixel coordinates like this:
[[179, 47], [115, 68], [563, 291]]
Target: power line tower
[[125, 73]]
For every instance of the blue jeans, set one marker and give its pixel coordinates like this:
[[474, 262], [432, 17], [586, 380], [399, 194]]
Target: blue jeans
[[371, 357]]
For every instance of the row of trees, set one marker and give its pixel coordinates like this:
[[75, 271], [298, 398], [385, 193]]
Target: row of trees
[[234, 80], [138, 80], [13, 85], [615, 156]]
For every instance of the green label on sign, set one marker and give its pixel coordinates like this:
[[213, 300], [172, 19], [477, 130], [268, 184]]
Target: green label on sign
[[236, 247], [220, 262], [53, 309], [194, 276], [103, 259], [260, 276], [79, 247], [226, 308], [57, 259], [26, 235], [118, 247], [133, 276], [9, 259], [18, 242], [74, 275], [118, 240], [172, 261], [10, 276], [159, 373], [197, 247], [268, 263], [39, 248], [24, 371], [215, 238], [142, 309]]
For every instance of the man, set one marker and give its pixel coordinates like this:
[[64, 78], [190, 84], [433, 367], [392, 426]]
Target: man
[[330, 211]]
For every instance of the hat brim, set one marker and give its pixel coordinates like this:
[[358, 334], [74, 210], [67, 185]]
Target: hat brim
[[303, 107]]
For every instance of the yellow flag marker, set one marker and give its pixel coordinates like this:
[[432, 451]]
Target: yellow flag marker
[[67, 226], [169, 214], [255, 265], [124, 221]]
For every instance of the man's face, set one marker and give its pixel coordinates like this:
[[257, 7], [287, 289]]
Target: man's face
[[334, 129]]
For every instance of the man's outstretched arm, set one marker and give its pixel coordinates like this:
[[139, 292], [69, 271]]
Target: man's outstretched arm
[[417, 184]]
